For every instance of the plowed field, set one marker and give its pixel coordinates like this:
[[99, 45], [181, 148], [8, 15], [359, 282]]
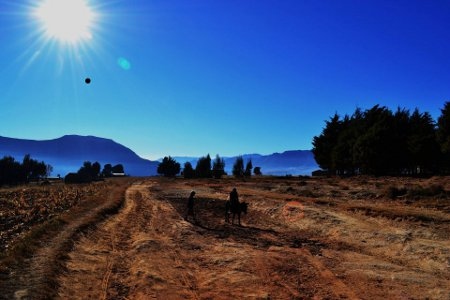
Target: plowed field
[[303, 238]]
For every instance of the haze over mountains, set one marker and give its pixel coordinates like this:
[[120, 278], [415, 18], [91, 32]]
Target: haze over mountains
[[294, 162], [67, 154]]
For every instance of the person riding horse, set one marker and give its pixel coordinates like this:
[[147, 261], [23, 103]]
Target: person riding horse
[[234, 206]]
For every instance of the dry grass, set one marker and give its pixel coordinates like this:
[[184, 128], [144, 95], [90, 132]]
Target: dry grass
[[329, 238], [42, 246]]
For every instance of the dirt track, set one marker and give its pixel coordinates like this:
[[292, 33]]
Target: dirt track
[[302, 239], [148, 251]]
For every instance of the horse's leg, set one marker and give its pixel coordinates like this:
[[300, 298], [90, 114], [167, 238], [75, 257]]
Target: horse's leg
[[239, 218]]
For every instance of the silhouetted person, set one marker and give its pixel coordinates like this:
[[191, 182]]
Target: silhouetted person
[[234, 205], [190, 207]]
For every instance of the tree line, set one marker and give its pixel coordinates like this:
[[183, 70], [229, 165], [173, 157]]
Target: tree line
[[206, 168], [91, 172], [378, 141], [13, 172]]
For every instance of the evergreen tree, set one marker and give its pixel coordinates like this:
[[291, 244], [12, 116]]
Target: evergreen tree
[[248, 169], [422, 144], [11, 171], [96, 167], [373, 148], [324, 143], [218, 169], [168, 167], [401, 156], [342, 153], [238, 167], [32, 168], [188, 171], [203, 167], [379, 142], [86, 173], [443, 137], [107, 170]]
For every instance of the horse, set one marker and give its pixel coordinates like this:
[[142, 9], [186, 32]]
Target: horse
[[242, 207]]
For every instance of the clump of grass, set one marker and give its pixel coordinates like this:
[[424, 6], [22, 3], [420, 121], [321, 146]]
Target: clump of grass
[[335, 193], [417, 192], [308, 193], [290, 189], [434, 190], [302, 183], [393, 192]]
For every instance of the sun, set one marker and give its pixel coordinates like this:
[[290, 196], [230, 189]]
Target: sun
[[67, 21]]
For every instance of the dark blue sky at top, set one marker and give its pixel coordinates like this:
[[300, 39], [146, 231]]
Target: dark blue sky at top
[[226, 77]]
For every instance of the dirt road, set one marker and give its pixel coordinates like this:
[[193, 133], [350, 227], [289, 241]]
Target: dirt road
[[148, 251], [302, 239], [289, 247]]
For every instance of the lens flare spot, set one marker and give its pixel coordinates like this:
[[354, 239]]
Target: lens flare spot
[[124, 63]]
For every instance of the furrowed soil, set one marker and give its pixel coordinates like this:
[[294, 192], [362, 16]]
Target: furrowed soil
[[303, 238]]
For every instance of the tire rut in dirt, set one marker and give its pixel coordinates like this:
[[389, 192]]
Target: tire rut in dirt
[[101, 260], [37, 276]]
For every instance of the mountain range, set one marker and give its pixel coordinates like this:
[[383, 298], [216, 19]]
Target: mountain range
[[68, 153], [293, 162]]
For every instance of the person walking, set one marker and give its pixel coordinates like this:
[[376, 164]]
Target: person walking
[[190, 207]]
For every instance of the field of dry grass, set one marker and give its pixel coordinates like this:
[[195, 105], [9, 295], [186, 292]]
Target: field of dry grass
[[303, 238]]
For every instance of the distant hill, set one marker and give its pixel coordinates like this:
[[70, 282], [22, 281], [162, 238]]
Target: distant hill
[[294, 162], [67, 154]]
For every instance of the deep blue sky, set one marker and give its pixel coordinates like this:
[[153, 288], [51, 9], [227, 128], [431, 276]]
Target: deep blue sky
[[227, 77]]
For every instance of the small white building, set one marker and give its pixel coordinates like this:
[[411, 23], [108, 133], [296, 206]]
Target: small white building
[[118, 174]]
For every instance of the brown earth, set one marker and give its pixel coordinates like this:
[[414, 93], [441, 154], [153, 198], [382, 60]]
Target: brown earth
[[303, 238]]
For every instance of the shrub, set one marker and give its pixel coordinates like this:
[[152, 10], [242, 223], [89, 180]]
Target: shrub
[[393, 192], [431, 191]]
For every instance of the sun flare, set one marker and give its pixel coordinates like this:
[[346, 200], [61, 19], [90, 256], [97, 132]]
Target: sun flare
[[67, 21]]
